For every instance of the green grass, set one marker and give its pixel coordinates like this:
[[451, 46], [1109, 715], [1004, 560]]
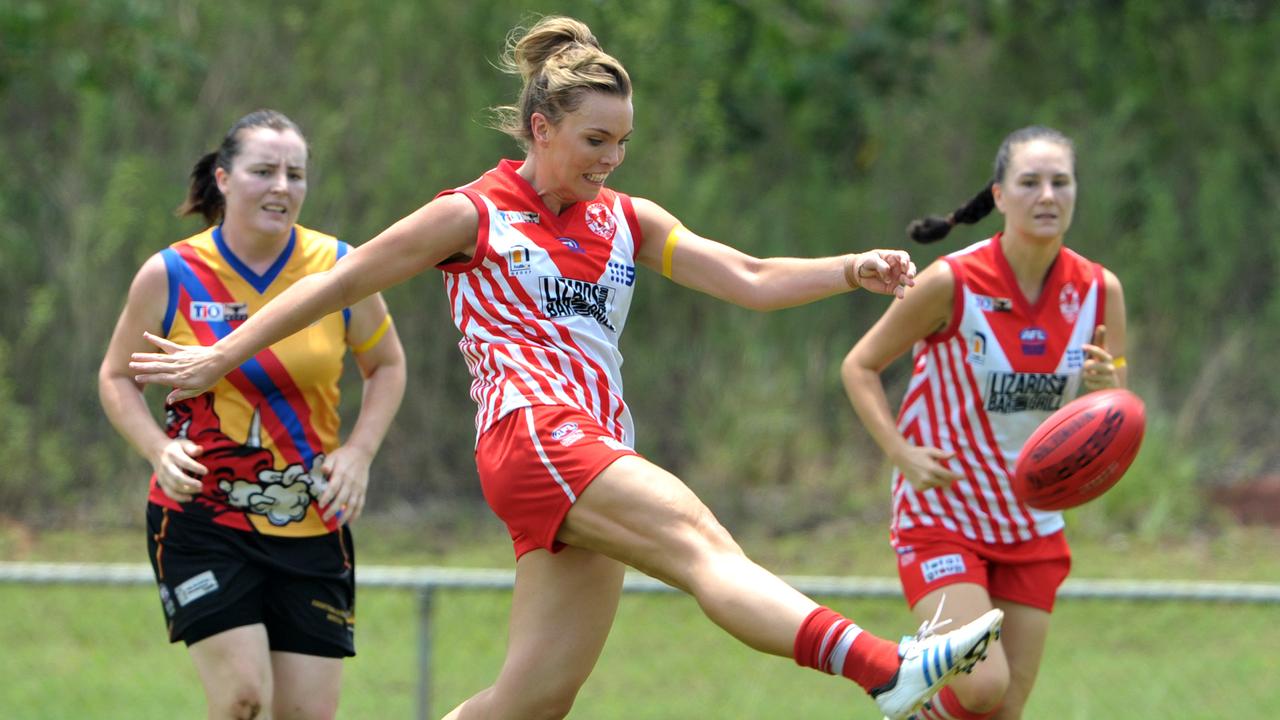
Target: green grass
[[75, 652]]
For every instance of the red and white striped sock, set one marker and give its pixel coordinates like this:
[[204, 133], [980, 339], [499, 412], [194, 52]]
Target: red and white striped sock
[[834, 644]]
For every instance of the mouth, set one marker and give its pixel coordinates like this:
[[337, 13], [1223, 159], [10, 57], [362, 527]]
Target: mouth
[[1046, 216], [595, 178], [276, 208]]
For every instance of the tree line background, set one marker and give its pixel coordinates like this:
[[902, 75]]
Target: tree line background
[[809, 127]]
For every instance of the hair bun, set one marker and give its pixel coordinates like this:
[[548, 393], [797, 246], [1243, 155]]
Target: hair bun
[[928, 229]]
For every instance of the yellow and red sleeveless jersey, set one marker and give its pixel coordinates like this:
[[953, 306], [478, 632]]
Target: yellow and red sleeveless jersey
[[269, 422]]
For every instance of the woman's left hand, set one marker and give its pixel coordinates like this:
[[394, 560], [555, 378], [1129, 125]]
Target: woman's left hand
[[1099, 370], [888, 272], [346, 471]]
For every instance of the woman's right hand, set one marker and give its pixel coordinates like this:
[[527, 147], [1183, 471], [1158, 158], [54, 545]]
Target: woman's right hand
[[924, 467], [190, 369], [177, 472]]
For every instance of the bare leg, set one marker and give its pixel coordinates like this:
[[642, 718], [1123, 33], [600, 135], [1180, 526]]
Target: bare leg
[[1004, 680], [644, 516], [235, 669], [561, 611], [1028, 628], [306, 686]]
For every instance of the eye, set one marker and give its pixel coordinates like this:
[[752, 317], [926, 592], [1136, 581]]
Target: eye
[[295, 176], [261, 172], [595, 142]]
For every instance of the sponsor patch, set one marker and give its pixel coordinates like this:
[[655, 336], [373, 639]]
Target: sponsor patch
[[1075, 358], [1011, 392], [195, 588], [978, 349], [518, 260], [622, 273], [511, 217], [601, 221], [567, 434], [204, 311], [565, 297], [987, 303], [942, 566]]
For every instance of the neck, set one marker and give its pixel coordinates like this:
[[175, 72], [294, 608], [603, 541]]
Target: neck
[[529, 171], [1030, 258], [253, 248]]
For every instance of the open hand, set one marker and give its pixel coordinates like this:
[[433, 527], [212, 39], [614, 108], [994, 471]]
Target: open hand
[[190, 369]]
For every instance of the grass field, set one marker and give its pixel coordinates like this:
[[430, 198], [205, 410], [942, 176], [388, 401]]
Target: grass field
[[79, 652]]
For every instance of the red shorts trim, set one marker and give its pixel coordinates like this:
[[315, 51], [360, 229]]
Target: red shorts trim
[[1028, 573], [533, 465]]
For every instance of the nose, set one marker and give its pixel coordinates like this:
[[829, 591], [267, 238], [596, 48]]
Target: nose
[[280, 182], [613, 156], [1047, 193]]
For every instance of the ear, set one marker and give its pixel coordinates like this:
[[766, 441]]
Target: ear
[[220, 177], [997, 194], [540, 127]]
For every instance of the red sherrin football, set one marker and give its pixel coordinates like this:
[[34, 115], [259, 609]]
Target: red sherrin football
[[1080, 451]]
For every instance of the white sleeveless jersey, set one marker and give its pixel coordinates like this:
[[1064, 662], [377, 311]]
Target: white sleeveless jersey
[[984, 383], [544, 299]]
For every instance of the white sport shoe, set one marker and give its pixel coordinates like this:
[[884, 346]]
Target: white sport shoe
[[930, 660]]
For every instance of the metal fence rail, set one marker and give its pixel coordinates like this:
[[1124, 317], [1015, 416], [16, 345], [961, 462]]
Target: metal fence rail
[[427, 580]]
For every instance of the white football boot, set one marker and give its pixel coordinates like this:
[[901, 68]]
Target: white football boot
[[930, 660]]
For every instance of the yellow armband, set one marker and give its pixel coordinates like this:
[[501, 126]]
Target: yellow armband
[[367, 345], [1118, 362], [669, 249]]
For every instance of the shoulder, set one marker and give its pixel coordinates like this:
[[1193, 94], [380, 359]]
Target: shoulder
[[151, 283]]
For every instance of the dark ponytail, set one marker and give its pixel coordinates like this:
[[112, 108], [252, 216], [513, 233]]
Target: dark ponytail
[[931, 229], [203, 196]]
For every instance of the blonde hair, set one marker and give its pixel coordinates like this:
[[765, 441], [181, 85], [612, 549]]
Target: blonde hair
[[560, 61]]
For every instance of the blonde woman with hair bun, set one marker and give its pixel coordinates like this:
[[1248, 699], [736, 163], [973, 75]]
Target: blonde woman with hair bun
[[539, 258]]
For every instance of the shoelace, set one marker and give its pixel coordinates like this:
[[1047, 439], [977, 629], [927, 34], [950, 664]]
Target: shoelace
[[929, 628]]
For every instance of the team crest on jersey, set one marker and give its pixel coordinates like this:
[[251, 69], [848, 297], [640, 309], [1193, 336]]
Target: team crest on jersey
[[601, 220], [1034, 340], [1069, 302], [986, 303], [202, 311], [565, 297], [518, 260]]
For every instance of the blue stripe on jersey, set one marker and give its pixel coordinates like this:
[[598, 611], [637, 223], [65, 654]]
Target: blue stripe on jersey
[[259, 282], [252, 368], [343, 249], [173, 265]]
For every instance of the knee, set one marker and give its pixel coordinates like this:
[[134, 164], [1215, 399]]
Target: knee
[[247, 699], [983, 692], [247, 704]]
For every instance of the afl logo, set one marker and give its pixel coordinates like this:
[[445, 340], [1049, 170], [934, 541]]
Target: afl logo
[[601, 221], [1069, 302], [1033, 340]]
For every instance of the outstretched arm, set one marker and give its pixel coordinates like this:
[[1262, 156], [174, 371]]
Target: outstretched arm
[[762, 284], [440, 229]]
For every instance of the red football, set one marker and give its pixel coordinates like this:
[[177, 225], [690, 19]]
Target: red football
[[1080, 451]]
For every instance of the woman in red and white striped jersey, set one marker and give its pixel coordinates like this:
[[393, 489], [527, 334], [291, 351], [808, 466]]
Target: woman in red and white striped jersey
[[1002, 333]]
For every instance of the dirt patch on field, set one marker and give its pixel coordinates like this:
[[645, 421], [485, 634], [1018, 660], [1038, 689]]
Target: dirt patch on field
[[1252, 502]]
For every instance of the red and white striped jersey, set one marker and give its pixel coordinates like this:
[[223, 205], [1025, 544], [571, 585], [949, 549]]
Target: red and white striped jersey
[[544, 299], [982, 385]]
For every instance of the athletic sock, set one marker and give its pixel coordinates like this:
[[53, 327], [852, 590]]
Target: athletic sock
[[833, 644]]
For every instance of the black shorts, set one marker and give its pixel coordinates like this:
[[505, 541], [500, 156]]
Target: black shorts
[[214, 578]]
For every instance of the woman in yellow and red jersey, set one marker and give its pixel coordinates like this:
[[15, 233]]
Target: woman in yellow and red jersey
[[252, 489]]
